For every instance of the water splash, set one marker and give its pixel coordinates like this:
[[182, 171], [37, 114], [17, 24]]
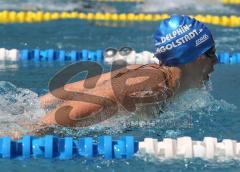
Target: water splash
[[199, 101], [19, 109], [194, 103], [176, 114]]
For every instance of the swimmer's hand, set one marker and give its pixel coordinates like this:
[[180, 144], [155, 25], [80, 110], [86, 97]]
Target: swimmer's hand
[[32, 129], [15, 135]]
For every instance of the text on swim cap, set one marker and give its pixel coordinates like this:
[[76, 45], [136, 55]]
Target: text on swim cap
[[181, 30], [178, 42], [186, 38]]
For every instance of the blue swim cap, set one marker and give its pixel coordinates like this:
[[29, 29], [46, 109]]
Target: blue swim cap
[[181, 39]]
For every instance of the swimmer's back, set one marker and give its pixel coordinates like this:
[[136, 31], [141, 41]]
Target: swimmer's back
[[138, 81]]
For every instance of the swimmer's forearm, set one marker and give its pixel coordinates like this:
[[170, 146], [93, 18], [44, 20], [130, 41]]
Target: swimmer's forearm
[[49, 98], [69, 113]]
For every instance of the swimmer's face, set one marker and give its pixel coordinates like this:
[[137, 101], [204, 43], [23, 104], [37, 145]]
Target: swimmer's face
[[207, 62], [200, 69]]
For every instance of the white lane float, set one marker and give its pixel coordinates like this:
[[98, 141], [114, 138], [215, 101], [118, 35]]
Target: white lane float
[[185, 147]]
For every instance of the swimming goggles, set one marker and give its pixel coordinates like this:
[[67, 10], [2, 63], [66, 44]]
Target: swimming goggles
[[211, 53], [111, 52]]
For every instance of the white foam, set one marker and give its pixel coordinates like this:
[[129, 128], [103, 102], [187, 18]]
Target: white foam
[[19, 109]]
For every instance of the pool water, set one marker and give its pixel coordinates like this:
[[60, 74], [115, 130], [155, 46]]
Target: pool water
[[210, 111]]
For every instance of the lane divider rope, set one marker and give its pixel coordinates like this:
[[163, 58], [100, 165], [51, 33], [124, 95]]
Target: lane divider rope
[[99, 56], [232, 2], [40, 16], [223, 1], [125, 147]]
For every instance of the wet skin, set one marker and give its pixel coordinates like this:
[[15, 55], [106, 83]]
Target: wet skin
[[179, 79]]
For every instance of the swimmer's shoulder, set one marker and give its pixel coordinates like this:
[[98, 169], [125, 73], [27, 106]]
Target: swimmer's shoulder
[[156, 71]]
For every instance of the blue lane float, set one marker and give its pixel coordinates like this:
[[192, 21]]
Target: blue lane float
[[61, 55], [227, 58], [52, 55], [67, 148]]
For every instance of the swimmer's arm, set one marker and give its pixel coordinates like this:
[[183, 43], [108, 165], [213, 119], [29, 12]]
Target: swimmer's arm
[[49, 98], [70, 113]]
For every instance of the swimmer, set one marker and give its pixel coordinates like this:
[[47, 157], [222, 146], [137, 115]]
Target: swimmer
[[186, 52]]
